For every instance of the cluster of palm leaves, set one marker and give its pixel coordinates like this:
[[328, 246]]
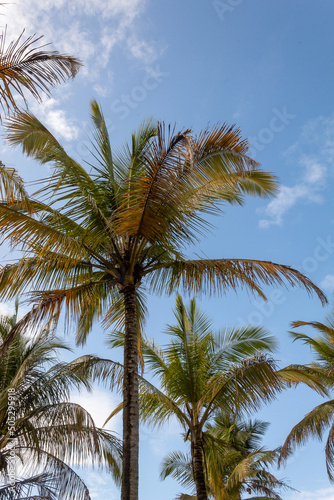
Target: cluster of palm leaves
[[39, 425]]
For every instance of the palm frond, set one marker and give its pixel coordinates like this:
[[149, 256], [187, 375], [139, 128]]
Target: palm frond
[[27, 67], [312, 425], [216, 275]]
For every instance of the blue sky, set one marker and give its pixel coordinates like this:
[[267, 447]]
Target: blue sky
[[266, 66]]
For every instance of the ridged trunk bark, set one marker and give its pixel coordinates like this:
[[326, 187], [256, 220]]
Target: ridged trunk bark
[[130, 399], [198, 465]]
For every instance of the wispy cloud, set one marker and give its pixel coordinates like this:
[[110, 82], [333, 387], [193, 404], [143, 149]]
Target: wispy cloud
[[323, 494], [56, 118], [100, 403], [328, 283], [313, 153], [88, 29]]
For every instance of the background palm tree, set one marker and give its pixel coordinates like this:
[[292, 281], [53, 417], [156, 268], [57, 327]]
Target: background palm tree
[[317, 421], [46, 432], [96, 241], [201, 373], [234, 459]]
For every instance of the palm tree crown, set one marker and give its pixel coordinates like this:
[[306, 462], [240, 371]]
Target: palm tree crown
[[41, 427], [201, 374], [317, 421], [235, 461], [94, 241]]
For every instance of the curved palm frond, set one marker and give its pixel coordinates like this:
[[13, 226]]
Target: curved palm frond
[[27, 67], [51, 434], [217, 275], [318, 420]]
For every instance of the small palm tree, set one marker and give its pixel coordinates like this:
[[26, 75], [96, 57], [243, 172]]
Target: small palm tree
[[234, 460], [39, 428], [201, 373], [317, 421], [94, 242]]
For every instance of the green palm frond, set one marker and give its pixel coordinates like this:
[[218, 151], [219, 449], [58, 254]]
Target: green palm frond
[[178, 465], [313, 424], [51, 434], [25, 66], [320, 374]]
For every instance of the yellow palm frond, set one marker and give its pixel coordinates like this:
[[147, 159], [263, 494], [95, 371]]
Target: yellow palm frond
[[214, 276], [313, 424]]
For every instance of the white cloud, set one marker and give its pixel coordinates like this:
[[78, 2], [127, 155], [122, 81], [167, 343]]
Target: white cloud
[[101, 90], [100, 485], [88, 29], [314, 153], [328, 283], [323, 494], [6, 309], [100, 403], [51, 115], [286, 199]]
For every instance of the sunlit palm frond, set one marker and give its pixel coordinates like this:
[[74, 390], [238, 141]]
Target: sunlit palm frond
[[313, 424], [312, 376], [51, 434], [245, 387], [102, 147], [25, 66], [235, 344], [12, 188], [143, 209], [216, 275], [30, 233]]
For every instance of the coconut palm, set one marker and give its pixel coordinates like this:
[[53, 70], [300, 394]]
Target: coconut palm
[[95, 241], [321, 418], [235, 462], [201, 373], [41, 432]]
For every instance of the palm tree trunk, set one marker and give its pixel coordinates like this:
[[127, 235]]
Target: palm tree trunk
[[198, 464], [130, 399]]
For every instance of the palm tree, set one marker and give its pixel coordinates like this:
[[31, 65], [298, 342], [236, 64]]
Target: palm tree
[[317, 421], [95, 241], [201, 373], [40, 430], [235, 462], [27, 67]]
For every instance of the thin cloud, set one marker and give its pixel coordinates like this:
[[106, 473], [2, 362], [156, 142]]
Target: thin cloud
[[57, 119], [88, 29], [100, 403], [328, 283], [323, 494], [313, 153]]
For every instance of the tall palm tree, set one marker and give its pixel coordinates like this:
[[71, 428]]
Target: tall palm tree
[[95, 241], [201, 373], [41, 432], [317, 421], [235, 461], [27, 67]]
